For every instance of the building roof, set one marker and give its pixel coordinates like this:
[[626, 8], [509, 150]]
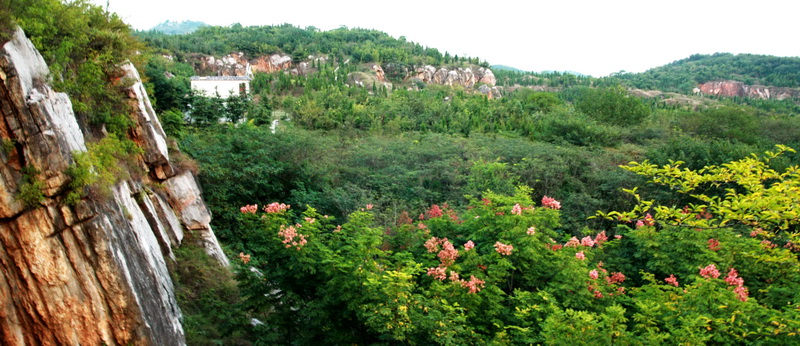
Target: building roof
[[220, 78]]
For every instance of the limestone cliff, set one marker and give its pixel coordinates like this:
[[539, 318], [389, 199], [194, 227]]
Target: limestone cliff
[[237, 64], [729, 88], [93, 273], [480, 78]]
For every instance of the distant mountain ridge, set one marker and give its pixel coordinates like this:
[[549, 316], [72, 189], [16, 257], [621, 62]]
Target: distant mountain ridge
[[506, 68], [178, 28], [686, 74]]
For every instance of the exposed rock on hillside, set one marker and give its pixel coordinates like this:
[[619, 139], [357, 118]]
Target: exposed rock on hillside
[[366, 80], [731, 88], [462, 76], [94, 273], [236, 64]]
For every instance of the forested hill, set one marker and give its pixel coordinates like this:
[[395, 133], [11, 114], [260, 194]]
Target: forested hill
[[358, 45], [362, 45], [684, 75]]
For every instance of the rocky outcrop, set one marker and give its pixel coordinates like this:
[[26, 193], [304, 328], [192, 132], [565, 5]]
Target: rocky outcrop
[[236, 64], [95, 272], [729, 88], [490, 92], [366, 80], [272, 63], [460, 76]]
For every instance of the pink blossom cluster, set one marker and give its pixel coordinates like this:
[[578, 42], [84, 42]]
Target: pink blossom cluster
[[404, 219], [572, 242], [275, 207], [531, 230], [249, 209], [616, 278], [733, 279], [580, 255], [586, 241], [503, 249], [601, 238], [768, 244], [434, 212], [245, 258], [291, 237], [549, 202], [474, 284], [469, 245], [310, 219], [438, 273], [516, 210], [709, 271], [647, 221], [448, 254], [454, 276], [432, 245], [713, 244], [672, 280]]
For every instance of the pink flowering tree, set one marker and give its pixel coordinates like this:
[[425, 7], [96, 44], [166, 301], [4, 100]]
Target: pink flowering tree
[[502, 271]]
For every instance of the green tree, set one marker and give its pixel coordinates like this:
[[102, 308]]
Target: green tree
[[612, 105]]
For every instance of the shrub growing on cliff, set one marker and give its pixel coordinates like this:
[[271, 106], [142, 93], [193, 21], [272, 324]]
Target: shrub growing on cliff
[[30, 191], [100, 167], [84, 46]]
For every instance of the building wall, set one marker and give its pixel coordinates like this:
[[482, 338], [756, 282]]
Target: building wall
[[223, 87]]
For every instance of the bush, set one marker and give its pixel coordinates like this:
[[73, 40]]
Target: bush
[[612, 105], [209, 298], [30, 191], [100, 167]]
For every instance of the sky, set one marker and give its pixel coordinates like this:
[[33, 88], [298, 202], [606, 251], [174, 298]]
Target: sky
[[585, 36]]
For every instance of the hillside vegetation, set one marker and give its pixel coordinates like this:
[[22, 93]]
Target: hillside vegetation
[[427, 214], [683, 75], [431, 214]]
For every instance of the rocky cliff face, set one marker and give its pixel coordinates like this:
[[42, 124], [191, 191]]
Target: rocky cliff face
[[731, 88], [94, 273], [467, 77], [236, 64]]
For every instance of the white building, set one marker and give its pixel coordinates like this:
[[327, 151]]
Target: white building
[[223, 85]]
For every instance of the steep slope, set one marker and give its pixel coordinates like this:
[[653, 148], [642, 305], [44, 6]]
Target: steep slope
[[93, 273]]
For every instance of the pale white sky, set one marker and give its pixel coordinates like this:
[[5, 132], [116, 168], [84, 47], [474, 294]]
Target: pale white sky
[[588, 36]]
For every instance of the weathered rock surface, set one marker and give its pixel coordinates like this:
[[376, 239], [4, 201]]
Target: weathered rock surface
[[366, 80], [729, 88], [461, 76], [236, 64], [94, 273]]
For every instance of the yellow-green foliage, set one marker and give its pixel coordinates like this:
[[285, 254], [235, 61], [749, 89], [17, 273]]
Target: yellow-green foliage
[[751, 193], [101, 166]]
